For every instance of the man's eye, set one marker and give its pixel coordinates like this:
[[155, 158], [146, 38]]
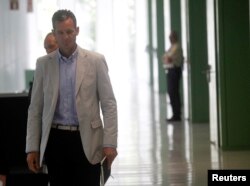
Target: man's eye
[[50, 46], [70, 31], [59, 32]]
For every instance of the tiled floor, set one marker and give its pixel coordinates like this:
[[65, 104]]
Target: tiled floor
[[155, 153]]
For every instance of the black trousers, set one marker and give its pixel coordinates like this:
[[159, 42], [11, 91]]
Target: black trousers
[[66, 161], [173, 88]]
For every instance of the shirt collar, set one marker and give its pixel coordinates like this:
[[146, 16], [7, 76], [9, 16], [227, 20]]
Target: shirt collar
[[65, 59]]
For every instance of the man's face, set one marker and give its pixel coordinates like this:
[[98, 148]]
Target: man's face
[[65, 33], [172, 38], [50, 44]]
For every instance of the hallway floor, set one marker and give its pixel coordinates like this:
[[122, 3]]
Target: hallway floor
[[153, 152]]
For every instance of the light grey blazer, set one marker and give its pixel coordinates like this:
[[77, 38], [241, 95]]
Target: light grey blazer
[[93, 91]]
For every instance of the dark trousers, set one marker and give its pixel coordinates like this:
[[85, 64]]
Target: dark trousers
[[173, 88], [66, 161]]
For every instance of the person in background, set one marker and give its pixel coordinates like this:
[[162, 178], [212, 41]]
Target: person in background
[[64, 129], [172, 62], [3, 157], [50, 45]]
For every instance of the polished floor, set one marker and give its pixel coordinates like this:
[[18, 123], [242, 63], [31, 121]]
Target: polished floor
[[153, 152]]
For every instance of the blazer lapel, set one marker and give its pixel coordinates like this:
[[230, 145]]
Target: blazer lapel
[[54, 77], [81, 69]]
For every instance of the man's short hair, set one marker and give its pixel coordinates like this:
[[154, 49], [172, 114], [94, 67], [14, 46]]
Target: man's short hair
[[62, 15]]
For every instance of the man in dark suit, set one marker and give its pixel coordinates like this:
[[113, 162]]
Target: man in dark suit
[[3, 155]]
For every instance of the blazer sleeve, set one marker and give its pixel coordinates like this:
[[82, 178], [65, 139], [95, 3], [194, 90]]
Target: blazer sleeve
[[34, 122], [108, 104]]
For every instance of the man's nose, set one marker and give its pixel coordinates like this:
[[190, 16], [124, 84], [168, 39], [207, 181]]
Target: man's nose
[[65, 36]]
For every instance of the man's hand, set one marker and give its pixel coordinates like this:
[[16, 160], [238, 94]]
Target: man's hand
[[3, 179], [110, 154], [169, 60], [166, 59], [33, 161]]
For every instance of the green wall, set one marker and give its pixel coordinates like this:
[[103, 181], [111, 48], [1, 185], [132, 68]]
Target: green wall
[[150, 42], [233, 73], [197, 59], [160, 44], [175, 16]]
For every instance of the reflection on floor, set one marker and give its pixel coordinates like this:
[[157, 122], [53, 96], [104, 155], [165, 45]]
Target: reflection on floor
[[155, 153]]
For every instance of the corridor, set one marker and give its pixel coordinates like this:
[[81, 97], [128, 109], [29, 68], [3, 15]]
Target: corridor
[[155, 153]]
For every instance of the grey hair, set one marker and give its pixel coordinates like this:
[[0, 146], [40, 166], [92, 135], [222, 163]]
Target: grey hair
[[62, 15]]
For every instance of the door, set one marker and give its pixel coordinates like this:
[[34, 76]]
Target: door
[[211, 73]]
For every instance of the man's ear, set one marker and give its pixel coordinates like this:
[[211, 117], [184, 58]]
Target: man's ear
[[77, 30], [53, 32]]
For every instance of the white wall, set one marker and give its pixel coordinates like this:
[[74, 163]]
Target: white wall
[[13, 46]]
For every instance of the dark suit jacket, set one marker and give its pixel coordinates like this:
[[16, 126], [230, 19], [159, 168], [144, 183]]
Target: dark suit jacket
[[3, 150]]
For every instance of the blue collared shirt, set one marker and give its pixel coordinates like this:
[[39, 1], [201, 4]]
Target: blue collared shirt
[[65, 112]]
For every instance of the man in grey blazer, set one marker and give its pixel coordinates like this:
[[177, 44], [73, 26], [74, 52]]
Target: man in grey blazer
[[65, 130]]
